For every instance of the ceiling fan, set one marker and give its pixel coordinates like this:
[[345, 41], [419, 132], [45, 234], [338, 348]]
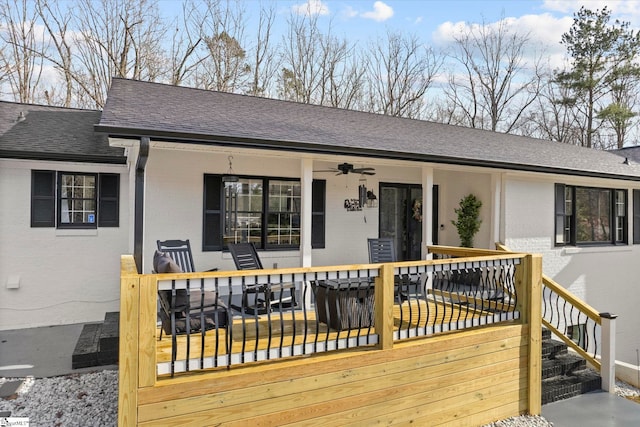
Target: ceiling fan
[[345, 168]]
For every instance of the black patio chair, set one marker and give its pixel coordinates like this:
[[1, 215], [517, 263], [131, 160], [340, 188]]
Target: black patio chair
[[182, 311], [245, 256], [382, 250]]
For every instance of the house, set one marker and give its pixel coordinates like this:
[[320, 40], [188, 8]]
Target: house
[[308, 185]]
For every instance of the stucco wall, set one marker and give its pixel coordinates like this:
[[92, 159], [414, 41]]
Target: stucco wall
[[606, 277], [65, 276]]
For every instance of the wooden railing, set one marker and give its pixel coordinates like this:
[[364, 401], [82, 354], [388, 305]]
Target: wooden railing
[[512, 280], [585, 330]]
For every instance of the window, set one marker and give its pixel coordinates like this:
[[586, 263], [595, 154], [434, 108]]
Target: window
[[264, 211], [74, 200], [586, 215]]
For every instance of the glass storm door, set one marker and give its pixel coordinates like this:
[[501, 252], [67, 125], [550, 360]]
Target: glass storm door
[[400, 219]]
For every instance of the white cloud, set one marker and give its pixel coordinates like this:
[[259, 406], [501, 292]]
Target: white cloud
[[349, 12], [381, 12], [310, 8], [625, 10], [544, 30]]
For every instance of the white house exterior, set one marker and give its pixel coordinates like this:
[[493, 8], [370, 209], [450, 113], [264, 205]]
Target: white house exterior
[[55, 275], [179, 144]]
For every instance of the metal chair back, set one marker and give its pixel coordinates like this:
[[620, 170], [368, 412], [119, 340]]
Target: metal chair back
[[180, 252], [381, 250], [245, 256]]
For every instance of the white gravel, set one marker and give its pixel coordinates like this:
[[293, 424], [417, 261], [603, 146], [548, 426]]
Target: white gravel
[[91, 399], [88, 399]]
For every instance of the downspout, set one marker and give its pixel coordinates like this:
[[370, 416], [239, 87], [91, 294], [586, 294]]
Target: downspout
[[138, 227]]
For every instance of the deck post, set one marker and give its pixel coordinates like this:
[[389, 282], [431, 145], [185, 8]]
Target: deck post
[[148, 330], [529, 282], [383, 319], [608, 359], [128, 343]]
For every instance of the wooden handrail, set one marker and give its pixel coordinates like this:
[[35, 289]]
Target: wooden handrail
[[582, 306], [547, 281], [591, 312]]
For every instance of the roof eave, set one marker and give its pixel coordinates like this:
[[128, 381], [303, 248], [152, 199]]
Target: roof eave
[[229, 141], [63, 157]]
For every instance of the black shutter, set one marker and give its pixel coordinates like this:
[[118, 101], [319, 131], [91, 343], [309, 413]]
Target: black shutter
[[636, 217], [560, 214], [43, 199], [109, 200], [212, 213], [318, 211]]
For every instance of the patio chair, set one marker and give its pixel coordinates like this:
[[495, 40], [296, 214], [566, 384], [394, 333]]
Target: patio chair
[[194, 308], [245, 256], [382, 250]]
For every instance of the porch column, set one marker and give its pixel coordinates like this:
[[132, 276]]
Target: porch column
[[497, 206], [306, 180], [427, 209]]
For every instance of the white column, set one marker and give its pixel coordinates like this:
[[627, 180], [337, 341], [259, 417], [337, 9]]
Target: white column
[[608, 357], [497, 206], [306, 179]]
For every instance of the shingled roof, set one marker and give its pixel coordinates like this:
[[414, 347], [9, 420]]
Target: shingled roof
[[188, 115], [41, 132]]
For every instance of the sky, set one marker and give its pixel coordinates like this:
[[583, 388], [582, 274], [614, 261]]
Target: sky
[[436, 21]]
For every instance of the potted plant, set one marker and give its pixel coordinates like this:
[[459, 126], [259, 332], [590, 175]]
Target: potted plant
[[468, 222]]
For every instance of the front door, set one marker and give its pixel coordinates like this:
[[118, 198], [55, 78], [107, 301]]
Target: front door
[[401, 218]]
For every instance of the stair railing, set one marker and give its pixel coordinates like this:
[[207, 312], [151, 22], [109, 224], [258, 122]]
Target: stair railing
[[577, 324]]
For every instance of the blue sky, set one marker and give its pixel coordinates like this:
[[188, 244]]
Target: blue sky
[[436, 21]]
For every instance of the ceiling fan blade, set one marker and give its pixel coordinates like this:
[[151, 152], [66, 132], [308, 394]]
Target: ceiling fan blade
[[367, 173]]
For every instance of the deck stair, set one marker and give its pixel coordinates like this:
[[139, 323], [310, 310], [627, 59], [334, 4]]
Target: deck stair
[[564, 374], [98, 343]]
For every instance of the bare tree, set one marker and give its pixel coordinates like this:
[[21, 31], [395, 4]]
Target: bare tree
[[225, 67], [497, 85], [21, 57], [300, 58], [56, 23], [554, 117], [263, 66], [400, 71], [116, 38]]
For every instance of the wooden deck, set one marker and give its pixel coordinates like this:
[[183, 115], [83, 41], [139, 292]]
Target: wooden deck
[[288, 329], [469, 376]]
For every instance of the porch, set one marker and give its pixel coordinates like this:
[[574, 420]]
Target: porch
[[432, 357]]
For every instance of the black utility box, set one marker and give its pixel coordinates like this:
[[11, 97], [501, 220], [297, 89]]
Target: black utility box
[[345, 304]]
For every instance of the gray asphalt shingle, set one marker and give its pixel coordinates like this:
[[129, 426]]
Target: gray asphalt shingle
[[137, 108], [53, 133]]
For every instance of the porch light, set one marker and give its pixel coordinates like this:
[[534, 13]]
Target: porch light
[[230, 176]]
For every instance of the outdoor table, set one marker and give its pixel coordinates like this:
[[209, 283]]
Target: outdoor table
[[346, 303]]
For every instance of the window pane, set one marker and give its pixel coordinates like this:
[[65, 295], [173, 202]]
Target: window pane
[[77, 199], [593, 210], [243, 211]]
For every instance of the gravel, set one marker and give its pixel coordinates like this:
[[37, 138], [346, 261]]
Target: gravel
[[91, 399], [88, 399]]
